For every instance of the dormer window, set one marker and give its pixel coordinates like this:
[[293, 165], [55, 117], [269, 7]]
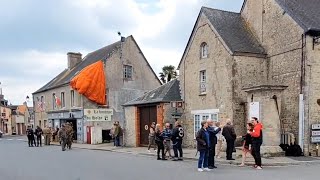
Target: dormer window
[[204, 50]]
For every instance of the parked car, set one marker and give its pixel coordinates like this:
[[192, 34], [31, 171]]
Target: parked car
[[1, 133]]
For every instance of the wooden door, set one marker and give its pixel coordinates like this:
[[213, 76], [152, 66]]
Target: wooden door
[[147, 116]]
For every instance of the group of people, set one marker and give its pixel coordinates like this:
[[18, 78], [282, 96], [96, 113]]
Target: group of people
[[207, 138], [63, 134], [166, 139], [36, 136]]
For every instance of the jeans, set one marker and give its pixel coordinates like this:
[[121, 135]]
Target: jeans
[[230, 147], [212, 153], [256, 153], [117, 141], [203, 159], [177, 147]]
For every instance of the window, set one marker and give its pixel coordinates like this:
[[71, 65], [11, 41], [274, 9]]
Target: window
[[63, 103], [201, 117], [204, 50], [72, 98], [3, 114], [203, 84], [44, 123], [54, 105], [40, 123], [42, 99], [127, 72]]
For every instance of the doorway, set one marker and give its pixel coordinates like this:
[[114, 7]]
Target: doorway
[[74, 125], [147, 116]]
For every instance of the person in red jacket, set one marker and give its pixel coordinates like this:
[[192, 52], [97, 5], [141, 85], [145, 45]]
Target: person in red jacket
[[257, 138]]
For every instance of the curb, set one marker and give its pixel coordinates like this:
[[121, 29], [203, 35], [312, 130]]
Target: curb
[[234, 163]]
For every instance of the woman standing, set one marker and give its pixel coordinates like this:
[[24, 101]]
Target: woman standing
[[203, 145], [152, 137], [246, 144], [159, 142]]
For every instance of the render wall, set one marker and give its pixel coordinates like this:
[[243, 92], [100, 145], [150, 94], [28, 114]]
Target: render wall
[[120, 90], [130, 129]]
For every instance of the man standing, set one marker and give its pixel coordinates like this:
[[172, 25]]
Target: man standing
[[213, 141], [39, 133], [166, 134], [230, 136], [46, 135], [256, 135], [117, 132], [177, 136], [69, 130], [30, 135], [63, 137]]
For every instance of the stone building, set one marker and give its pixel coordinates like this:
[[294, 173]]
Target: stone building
[[128, 76], [5, 115], [20, 119], [256, 62], [161, 105]]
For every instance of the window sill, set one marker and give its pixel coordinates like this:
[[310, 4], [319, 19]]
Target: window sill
[[203, 94]]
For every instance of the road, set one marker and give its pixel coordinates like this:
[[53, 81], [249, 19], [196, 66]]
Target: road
[[20, 162]]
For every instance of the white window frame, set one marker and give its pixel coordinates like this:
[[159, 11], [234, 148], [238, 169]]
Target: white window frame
[[203, 116], [72, 98], [54, 104], [63, 99], [204, 50]]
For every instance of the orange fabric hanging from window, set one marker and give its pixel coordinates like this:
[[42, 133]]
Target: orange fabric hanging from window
[[91, 82]]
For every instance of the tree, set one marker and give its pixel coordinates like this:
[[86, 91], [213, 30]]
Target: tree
[[168, 73]]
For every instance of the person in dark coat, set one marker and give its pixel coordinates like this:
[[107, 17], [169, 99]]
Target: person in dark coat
[[177, 136], [203, 146], [38, 133], [230, 136], [30, 135], [213, 141], [159, 142]]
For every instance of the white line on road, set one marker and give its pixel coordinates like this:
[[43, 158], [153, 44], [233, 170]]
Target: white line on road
[[10, 139], [20, 139]]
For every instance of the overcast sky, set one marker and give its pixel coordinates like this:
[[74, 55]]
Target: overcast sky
[[35, 35]]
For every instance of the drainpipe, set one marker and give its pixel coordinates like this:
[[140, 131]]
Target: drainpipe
[[301, 98]]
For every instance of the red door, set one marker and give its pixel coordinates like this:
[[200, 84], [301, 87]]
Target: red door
[[88, 134]]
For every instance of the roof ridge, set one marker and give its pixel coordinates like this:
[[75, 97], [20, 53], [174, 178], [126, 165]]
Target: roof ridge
[[205, 7]]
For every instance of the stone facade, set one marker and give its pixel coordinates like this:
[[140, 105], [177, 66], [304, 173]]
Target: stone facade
[[119, 89], [289, 60]]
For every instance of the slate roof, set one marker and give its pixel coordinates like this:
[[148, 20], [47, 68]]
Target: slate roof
[[165, 93], [305, 12], [66, 76], [233, 30]]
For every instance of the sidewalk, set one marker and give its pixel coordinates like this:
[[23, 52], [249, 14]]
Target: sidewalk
[[189, 154]]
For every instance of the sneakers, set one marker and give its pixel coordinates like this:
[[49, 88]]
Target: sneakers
[[149, 151], [258, 168], [200, 170], [206, 169]]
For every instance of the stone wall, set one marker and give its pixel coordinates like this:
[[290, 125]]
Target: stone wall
[[218, 68], [281, 37], [312, 92]]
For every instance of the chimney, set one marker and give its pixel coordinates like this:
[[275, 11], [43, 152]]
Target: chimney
[[73, 59]]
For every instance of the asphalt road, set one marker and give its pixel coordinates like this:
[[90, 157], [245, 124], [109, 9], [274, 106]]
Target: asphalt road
[[19, 162]]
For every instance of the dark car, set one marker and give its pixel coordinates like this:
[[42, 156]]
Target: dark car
[[1, 134]]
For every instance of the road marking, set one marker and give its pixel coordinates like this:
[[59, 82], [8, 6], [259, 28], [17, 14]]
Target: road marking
[[20, 139], [10, 139]]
